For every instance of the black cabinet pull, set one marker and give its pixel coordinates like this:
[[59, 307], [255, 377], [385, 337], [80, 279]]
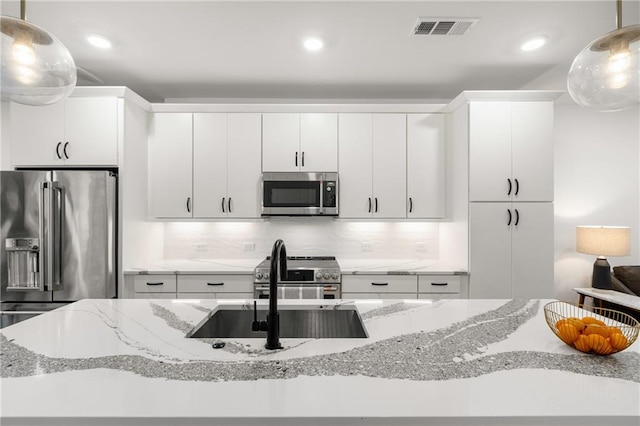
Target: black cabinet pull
[[380, 284], [218, 284], [229, 205], [517, 187], [440, 284], [509, 211], [64, 150], [410, 205], [223, 198], [189, 204], [517, 217], [58, 150], [369, 204], [376, 204], [509, 191], [296, 158], [160, 283], [302, 158]]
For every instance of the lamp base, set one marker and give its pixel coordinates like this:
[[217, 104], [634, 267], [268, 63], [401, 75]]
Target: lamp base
[[601, 274]]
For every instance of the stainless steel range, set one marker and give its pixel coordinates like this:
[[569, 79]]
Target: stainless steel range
[[308, 277]]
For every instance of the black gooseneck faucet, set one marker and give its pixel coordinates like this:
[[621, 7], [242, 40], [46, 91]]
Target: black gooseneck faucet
[[272, 325]]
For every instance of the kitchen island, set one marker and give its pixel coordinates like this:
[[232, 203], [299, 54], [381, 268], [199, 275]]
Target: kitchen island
[[424, 362]]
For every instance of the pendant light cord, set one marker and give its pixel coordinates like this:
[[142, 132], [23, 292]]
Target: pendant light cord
[[618, 13], [23, 10]]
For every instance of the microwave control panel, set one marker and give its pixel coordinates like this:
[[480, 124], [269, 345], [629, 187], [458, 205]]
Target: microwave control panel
[[329, 194]]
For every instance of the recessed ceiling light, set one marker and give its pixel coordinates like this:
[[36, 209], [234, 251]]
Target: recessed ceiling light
[[99, 41], [534, 43], [313, 44]]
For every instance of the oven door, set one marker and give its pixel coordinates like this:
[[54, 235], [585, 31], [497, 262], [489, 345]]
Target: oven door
[[299, 291], [291, 194]]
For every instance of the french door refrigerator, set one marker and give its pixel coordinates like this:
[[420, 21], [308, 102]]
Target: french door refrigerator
[[58, 239]]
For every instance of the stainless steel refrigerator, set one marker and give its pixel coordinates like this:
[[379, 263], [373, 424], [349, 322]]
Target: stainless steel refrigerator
[[58, 239]]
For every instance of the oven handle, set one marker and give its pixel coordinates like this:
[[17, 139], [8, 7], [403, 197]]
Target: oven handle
[[324, 286]]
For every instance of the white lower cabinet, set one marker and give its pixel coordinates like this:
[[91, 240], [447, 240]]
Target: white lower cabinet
[[436, 296], [511, 250], [154, 286], [379, 286], [215, 286]]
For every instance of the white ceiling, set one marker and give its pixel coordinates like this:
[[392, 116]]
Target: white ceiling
[[245, 49]]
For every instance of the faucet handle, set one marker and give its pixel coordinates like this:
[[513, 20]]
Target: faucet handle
[[257, 325]]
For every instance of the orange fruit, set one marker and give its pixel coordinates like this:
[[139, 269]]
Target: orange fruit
[[597, 342], [614, 330], [618, 341], [597, 329], [577, 323], [591, 320], [582, 343], [568, 333], [605, 348]]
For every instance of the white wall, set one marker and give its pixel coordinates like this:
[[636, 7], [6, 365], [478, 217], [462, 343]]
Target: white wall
[[597, 182], [5, 137]]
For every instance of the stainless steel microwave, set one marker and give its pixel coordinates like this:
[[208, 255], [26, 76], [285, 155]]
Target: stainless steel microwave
[[299, 194]]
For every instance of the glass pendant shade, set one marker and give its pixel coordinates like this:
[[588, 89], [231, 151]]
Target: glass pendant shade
[[605, 75], [37, 69]]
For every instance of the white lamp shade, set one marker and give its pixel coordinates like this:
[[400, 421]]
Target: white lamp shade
[[604, 240], [37, 69]]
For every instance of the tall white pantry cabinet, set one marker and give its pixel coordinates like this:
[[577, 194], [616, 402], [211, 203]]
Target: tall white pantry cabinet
[[510, 149]]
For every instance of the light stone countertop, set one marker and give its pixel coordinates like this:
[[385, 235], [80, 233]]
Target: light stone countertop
[[444, 362], [246, 266]]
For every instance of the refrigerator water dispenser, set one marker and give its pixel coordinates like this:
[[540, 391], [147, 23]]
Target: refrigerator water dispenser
[[23, 263]]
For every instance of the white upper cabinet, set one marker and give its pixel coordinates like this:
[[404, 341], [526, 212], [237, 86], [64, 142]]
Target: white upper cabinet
[[205, 165], [210, 165], [372, 160], [170, 156], [511, 151], [79, 131], [226, 165], [293, 142], [318, 142], [425, 166]]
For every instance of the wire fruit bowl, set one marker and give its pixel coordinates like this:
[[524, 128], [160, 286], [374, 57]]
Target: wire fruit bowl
[[603, 332]]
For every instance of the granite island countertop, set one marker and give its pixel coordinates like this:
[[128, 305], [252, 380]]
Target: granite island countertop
[[444, 362]]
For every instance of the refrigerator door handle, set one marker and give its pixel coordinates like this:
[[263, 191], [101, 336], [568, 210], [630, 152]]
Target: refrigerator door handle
[[51, 214]]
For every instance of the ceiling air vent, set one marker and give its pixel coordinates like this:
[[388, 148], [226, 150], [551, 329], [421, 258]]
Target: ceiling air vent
[[443, 26]]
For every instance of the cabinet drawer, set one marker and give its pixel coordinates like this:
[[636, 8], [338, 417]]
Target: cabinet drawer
[[378, 296], [215, 283], [438, 284], [379, 284], [215, 295], [439, 296], [154, 284]]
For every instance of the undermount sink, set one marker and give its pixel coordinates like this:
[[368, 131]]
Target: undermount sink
[[295, 322]]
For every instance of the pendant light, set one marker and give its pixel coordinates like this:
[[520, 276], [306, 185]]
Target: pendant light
[[37, 69], [604, 76]]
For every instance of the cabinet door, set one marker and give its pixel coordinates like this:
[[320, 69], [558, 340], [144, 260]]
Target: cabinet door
[[170, 149], [425, 165], [532, 150], [91, 132], [489, 151], [243, 165], [389, 165], [36, 132], [210, 165], [355, 161], [318, 142], [532, 251], [281, 142], [490, 250]]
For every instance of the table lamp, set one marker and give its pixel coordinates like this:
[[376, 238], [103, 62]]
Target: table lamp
[[603, 241]]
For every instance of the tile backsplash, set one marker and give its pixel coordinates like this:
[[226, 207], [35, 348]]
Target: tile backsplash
[[303, 236]]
